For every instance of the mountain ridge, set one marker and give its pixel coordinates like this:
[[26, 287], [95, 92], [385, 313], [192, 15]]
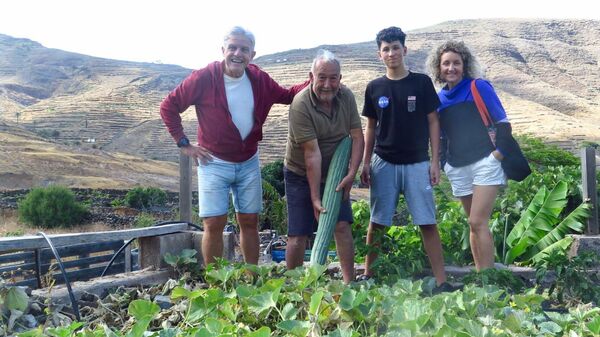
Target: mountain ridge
[[545, 71]]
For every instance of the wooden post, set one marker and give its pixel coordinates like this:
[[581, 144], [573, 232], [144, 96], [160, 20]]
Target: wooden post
[[185, 188], [38, 267], [127, 259], [590, 192]]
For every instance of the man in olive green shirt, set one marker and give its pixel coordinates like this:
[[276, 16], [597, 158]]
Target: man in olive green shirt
[[320, 116]]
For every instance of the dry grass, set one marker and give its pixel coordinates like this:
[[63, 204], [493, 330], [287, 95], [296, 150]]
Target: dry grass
[[27, 162], [11, 226]]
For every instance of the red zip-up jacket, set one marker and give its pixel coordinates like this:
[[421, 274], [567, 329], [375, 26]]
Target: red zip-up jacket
[[205, 89]]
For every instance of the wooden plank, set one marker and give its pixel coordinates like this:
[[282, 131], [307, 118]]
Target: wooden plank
[[80, 249], [32, 242], [86, 274], [16, 257], [72, 275], [32, 283], [185, 188], [81, 263], [30, 263], [14, 268], [589, 187]]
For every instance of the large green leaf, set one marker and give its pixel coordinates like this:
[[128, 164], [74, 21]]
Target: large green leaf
[[64, 331], [315, 302], [519, 228], [198, 309], [347, 299], [560, 245], [16, 298], [594, 325], [262, 332], [535, 226], [289, 312], [550, 328], [260, 303], [143, 311], [572, 223], [222, 274], [295, 327]]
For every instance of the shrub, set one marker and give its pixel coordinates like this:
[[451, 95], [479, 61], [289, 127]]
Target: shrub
[[361, 214], [50, 207], [400, 252], [542, 155], [49, 133], [18, 232], [273, 174], [144, 220], [503, 278], [142, 198], [575, 281], [274, 215]]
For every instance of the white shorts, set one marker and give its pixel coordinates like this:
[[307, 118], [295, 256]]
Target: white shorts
[[484, 172]]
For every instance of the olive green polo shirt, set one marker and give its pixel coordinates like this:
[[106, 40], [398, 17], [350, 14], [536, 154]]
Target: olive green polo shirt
[[308, 122]]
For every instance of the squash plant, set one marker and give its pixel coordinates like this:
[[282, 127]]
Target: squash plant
[[307, 302], [13, 303]]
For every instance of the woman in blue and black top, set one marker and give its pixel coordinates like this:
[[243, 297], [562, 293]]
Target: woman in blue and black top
[[471, 153]]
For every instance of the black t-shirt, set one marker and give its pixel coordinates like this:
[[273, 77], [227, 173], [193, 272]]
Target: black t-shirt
[[401, 108]]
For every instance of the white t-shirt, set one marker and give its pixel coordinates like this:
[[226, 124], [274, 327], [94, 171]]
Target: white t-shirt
[[241, 103]]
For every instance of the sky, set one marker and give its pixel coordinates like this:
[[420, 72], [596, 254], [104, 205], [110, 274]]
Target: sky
[[190, 33]]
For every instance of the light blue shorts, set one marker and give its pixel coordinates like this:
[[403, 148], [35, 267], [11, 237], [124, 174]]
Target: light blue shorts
[[389, 180], [218, 177]]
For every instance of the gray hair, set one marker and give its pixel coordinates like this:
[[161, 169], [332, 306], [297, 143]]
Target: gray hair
[[326, 56], [471, 68], [239, 31]]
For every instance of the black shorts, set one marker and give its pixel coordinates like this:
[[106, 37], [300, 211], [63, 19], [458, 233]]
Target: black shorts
[[301, 216]]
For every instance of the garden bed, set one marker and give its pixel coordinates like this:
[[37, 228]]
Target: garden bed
[[268, 301]]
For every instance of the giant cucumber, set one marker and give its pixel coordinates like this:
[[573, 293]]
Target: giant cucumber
[[331, 202]]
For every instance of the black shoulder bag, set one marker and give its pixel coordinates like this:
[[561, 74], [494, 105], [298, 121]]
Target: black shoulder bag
[[514, 164]]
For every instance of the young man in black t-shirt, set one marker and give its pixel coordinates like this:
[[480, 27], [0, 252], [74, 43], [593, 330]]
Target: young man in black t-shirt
[[402, 124]]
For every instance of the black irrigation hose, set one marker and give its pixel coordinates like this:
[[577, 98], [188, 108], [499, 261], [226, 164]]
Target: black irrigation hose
[[131, 240], [64, 273]]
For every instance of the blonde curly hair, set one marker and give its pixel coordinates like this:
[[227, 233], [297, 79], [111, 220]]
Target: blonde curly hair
[[471, 68]]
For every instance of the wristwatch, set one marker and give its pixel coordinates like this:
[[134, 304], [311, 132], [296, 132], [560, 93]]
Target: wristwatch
[[183, 142]]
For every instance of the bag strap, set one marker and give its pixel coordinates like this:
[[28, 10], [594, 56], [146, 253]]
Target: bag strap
[[483, 111]]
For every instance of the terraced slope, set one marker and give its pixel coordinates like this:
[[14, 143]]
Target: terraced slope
[[27, 160], [546, 73]]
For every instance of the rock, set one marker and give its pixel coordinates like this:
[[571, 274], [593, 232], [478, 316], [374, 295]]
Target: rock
[[29, 321], [164, 302], [89, 297]]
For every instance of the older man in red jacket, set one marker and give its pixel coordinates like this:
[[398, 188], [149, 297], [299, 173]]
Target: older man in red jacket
[[232, 99]]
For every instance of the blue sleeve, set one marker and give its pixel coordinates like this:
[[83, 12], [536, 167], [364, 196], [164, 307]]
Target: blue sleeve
[[492, 101]]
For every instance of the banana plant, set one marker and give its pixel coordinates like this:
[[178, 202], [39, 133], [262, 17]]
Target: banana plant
[[541, 225]]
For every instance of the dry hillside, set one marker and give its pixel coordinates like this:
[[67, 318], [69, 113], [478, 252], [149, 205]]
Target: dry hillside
[[545, 71], [27, 160]]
